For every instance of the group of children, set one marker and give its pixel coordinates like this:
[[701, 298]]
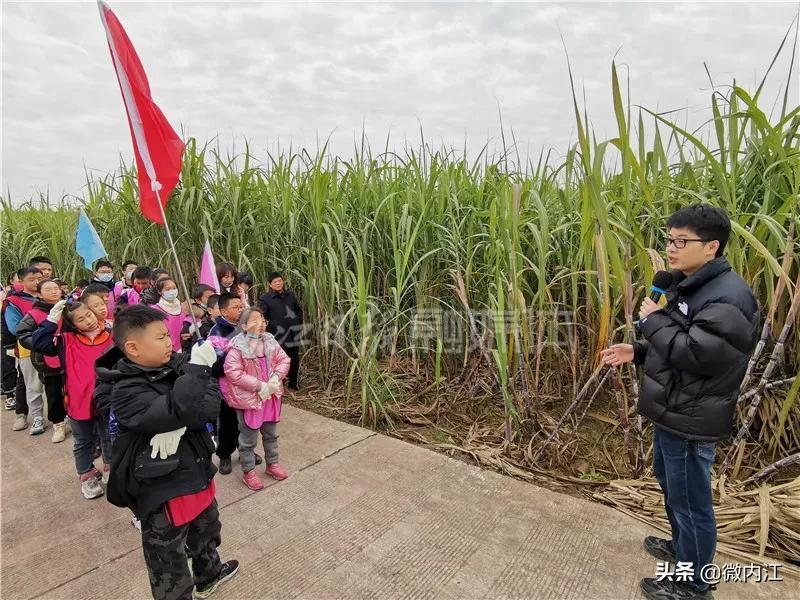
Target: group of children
[[154, 387]]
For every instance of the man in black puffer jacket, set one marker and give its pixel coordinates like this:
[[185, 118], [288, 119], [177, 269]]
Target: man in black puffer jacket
[[161, 466], [695, 353]]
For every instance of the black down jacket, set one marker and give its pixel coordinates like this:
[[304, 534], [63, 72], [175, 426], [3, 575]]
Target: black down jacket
[[147, 401], [696, 351]]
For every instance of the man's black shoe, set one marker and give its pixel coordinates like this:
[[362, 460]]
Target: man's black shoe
[[225, 466], [671, 590], [660, 548]]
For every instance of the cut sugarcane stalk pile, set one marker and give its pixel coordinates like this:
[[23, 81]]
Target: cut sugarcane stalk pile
[[757, 525]]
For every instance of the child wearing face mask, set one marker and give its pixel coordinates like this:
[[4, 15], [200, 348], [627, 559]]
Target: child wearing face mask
[[80, 342], [104, 276], [254, 367], [172, 308], [140, 282], [122, 285]]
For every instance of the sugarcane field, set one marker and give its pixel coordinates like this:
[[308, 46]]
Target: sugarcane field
[[398, 300]]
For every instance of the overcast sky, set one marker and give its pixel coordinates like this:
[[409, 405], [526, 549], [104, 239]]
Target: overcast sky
[[294, 73]]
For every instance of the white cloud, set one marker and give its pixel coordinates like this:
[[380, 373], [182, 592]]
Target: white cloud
[[296, 72]]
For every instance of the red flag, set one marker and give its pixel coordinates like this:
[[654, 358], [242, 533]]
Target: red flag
[[157, 147]]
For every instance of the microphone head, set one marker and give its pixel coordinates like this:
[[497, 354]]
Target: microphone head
[[662, 280]]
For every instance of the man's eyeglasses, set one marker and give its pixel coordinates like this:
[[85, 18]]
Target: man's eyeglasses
[[680, 243]]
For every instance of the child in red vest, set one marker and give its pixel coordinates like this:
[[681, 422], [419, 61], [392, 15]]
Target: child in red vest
[[82, 339], [48, 367], [29, 391], [98, 305]]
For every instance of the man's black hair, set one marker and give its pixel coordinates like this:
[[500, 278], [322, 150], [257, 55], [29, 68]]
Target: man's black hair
[[199, 290], [27, 271], [142, 273], [705, 221], [226, 299], [40, 259], [103, 263], [43, 281], [133, 319], [213, 301], [245, 277], [162, 283], [95, 288]]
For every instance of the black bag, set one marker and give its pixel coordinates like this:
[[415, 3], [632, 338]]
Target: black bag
[[146, 467]]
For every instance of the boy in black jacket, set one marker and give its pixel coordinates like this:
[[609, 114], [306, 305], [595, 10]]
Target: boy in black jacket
[[162, 468]]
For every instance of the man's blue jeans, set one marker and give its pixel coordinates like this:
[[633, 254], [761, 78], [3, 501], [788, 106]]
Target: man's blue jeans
[[683, 469]]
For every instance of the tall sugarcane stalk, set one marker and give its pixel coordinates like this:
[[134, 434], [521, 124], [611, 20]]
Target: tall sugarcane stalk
[[777, 352]]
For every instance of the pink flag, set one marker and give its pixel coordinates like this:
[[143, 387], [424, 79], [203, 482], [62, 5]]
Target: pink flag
[[208, 271]]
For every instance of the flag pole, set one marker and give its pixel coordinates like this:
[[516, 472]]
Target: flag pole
[[171, 243]]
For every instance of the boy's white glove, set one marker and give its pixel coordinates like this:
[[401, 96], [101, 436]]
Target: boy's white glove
[[203, 354], [264, 392], [274, 385], [55, 313], [166, 444]]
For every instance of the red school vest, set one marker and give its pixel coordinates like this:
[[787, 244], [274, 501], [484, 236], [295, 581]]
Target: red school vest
[[80, 355], [39, 317]]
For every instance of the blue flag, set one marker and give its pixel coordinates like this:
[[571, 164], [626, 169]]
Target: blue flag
[[87, 242]]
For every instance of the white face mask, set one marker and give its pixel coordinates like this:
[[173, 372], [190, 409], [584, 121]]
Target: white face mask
[[105, 277], [129, 274], [170, 295]]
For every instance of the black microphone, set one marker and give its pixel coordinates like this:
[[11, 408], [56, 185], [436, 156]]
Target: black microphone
[[661, 283]]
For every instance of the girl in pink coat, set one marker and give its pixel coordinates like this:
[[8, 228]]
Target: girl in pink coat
[[254, 368]]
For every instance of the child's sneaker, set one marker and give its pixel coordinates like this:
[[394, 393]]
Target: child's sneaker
[[276, 472], [226, 573], [59, 433], [20, 423], [37, 427], [90, 486], [10, 402], [252, 481]]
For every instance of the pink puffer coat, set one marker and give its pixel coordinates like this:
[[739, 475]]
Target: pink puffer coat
[[244, 373]]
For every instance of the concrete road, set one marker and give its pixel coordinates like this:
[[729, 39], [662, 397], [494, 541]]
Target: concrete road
[[361, 516]]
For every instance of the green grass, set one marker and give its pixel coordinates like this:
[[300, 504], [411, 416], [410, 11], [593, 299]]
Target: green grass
[[377, 238]]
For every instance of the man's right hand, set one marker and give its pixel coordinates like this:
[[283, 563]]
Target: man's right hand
[[617, 355]]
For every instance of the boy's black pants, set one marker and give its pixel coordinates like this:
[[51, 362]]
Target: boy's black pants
[[21, 394], [227, 431], [54, 390], [8, 366], [165, 553]]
